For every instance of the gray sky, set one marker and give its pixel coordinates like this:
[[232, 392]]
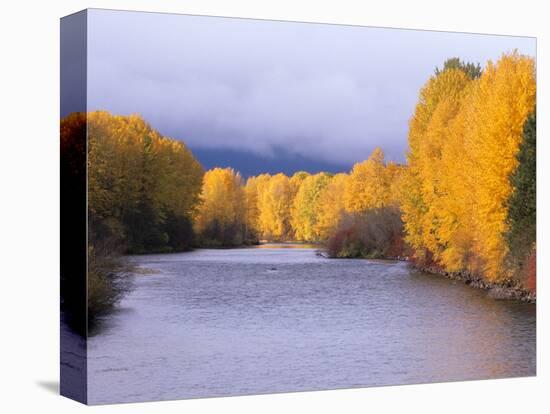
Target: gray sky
[[327, 93]]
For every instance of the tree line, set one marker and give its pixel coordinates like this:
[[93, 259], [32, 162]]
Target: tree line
[[143, 188], [303, 207]]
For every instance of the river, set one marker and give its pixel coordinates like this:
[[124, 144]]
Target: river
[[251, 321]]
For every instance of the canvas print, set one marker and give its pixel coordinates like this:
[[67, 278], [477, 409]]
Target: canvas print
[[253, 206]]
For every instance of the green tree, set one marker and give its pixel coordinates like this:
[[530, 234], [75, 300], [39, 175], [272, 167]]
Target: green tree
[[472, 70], [522, 205]]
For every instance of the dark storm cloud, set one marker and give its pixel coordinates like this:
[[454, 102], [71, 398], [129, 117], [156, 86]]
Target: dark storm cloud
[[325, 92]]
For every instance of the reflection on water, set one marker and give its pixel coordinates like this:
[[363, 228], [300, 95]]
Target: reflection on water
[[247, 321]]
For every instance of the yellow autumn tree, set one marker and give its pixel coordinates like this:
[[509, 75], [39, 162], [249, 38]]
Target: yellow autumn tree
[[456, 203], [452, 82], [296, 181], [306, 207], [222, 212], [274, 208], [507, 94], [438, 104], [143, 188], [395, 175], [254, 190], [331, 206], [367, 184]]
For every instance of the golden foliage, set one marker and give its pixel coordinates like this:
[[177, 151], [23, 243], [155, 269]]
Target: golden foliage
[[463, 139], [306, 207], [222, 212], [506, 96], [367, 185], [331, 205], [138, 177], [274, 205], [395, 179], [127, 158], [439, 104], [255, 187]]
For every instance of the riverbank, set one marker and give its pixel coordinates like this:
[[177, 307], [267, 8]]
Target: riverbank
[[498, 291]]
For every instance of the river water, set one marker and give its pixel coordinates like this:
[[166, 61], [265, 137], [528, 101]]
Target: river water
[[249, 321]]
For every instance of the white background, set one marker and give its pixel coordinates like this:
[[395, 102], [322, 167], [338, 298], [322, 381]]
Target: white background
[[29, 207]]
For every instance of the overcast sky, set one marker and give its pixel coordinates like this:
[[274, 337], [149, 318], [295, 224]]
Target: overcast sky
[[238, 89]]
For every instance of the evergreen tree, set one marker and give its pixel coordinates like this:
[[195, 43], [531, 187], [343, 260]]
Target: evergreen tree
[[522, 205], [472, 70]]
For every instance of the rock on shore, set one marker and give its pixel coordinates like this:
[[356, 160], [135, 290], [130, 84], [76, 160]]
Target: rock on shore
[[499, 291]]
